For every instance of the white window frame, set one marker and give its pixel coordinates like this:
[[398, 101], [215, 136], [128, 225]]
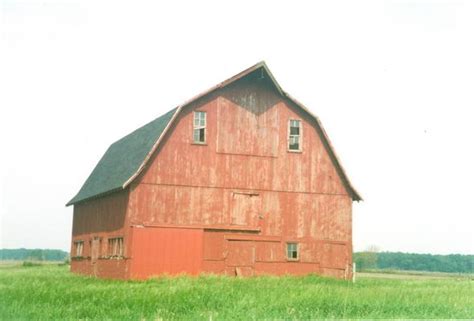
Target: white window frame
[[115, 247], [78, 248], [296, 244], [300, 136], [198, 124]]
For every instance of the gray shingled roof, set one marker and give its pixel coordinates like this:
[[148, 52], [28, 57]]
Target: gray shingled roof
[[122, 160]]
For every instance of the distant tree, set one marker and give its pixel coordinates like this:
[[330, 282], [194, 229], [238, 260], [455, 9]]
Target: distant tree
[[454, 263], [36, 255], [367, 259], [33, 254]]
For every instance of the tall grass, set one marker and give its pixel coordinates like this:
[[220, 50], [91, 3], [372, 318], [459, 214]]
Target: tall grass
[[53, 293]]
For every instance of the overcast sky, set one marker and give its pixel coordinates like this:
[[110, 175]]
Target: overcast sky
[[392, 82]]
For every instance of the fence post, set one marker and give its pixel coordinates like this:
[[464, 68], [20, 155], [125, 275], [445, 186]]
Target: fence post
[[353, 272]]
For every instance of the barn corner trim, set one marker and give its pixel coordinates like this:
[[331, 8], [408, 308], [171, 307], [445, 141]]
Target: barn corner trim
[[320, 129]]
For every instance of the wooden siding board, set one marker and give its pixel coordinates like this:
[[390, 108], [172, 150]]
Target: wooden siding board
[[95, 221], [107, 213], [240, 253]]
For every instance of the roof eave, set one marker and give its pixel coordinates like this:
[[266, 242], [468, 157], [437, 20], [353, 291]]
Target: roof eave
[[73, 202]]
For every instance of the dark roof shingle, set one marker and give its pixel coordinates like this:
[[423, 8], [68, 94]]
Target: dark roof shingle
[[122, 160]]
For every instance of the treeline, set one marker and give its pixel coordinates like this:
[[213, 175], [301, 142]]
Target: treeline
[[33, 254], [452, 263]]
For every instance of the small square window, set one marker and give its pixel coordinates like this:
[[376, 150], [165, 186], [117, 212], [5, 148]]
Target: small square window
[[199, 128], [292, 251], [115, 246]]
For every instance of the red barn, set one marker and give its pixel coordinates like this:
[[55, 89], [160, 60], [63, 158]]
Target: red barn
[[240, 180]]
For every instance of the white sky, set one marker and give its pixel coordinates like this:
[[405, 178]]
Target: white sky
[[392, 81]]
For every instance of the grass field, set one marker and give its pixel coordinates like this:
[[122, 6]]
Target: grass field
[[51, 292]]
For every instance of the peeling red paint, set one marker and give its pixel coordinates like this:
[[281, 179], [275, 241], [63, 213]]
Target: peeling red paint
[[243, 180]]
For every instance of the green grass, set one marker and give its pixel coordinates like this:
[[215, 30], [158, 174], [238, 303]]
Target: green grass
[[53, 293]]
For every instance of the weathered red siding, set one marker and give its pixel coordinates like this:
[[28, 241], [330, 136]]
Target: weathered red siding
[[231, 205], [94, 222], [244, 176], [159, 250]]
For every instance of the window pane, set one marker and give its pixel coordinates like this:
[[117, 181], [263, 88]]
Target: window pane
[[202, 135], [294, 135], [294, 130], [120, 246], [294, 143], [196, 119], [196, 135], [79, 246], [292, 250]]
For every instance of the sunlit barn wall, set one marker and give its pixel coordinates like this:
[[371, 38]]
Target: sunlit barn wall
[[245, 177]]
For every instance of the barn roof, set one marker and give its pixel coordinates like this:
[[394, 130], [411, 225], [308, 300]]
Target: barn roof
[[125, 159], [122, 159]]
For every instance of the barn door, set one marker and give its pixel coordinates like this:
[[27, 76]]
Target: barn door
[[240, 258], [245, 209]]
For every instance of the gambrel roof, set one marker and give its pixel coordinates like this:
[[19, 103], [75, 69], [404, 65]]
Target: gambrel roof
[[125, 159]]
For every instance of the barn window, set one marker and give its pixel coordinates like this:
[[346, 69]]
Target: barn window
[[294, 135], [115, 246], [199, 129], [78, 248], [292, 251]]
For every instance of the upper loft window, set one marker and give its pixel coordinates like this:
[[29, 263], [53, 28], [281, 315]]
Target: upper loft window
[[78, 248], [199, 129], [294, 135]]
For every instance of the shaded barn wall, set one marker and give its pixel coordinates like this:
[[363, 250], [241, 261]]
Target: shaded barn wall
[[245, 176], [94, 222]]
